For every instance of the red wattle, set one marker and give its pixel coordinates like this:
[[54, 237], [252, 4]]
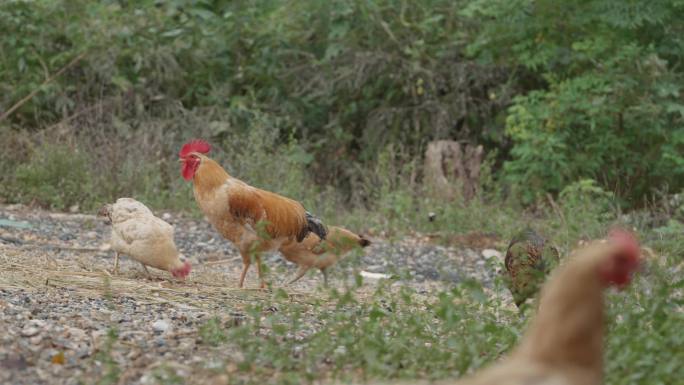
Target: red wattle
[[187, 171]]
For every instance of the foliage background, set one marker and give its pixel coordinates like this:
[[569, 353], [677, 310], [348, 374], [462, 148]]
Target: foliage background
[[556, 92]]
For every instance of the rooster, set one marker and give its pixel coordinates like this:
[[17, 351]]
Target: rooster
[[136, 232], [312, 252], [564, 343], [254, 220], [529, 259]]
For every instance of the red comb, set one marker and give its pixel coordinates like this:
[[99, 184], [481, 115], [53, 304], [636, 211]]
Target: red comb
[[196, 145], [626, 239]]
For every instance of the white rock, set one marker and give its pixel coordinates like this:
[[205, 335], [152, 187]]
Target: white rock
[[166, 216], [97, 334], [341, 350], [491, 253], [29, 331], [75, 333], [369, 275], [161, 325]]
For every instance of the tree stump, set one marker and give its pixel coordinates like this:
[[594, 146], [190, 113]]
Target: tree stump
[[450, 165]]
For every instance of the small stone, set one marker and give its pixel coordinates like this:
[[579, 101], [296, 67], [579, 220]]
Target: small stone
[[29, 331], [161, 326], [221, 379], [369, 275], [14, 362], [160, 342], [340, 350], [76, 333], [35, 340], [491, 253], [166, 216], [74, 209]]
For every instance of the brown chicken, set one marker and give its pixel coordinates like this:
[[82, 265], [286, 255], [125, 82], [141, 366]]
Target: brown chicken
[[312, 252], [564, 343], [254, 220], [529, 259]]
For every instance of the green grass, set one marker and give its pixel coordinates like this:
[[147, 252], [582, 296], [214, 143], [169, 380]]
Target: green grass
[[398, 333]]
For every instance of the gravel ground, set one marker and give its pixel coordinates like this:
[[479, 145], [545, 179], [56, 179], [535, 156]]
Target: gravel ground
[[58, 300]]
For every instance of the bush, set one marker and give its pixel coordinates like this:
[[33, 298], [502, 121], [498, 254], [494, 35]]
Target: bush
[[55, 177], [336, 83], [604, 101]]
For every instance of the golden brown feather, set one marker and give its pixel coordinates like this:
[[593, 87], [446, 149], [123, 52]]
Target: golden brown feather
[[284, 217], [312, 252]]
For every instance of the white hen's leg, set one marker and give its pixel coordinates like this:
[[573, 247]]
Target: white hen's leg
[[116, 263], [146, 271]]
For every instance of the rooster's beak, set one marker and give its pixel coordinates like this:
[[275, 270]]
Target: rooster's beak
[[181, 160]]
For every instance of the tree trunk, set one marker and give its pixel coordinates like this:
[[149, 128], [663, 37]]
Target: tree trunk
[[452, 169]]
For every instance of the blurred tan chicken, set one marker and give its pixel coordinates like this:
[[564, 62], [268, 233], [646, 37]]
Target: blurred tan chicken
[[564, 343], [312, 252], [136, 232]]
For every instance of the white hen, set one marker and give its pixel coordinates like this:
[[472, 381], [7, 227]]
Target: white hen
[[136, 232]]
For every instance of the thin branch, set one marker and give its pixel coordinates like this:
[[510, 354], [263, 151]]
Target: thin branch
[[556, 208], [33, 93]]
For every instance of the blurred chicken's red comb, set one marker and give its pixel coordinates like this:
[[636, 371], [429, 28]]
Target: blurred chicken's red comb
[[625, 239], [195, 145]]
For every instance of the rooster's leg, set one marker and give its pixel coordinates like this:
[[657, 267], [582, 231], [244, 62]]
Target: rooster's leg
[[325, 277], [299, 274], [261, 277], [245, 266], [149, 276], [116, 263]]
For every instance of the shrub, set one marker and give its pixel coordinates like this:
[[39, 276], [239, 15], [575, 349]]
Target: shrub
[[56, 177], [604, 92]]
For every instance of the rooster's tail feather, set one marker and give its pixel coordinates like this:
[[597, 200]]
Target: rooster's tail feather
[[313, 225]]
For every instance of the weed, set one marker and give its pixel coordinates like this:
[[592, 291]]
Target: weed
[[56, 177], [110, 367], [167, 375], [212, 333]]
